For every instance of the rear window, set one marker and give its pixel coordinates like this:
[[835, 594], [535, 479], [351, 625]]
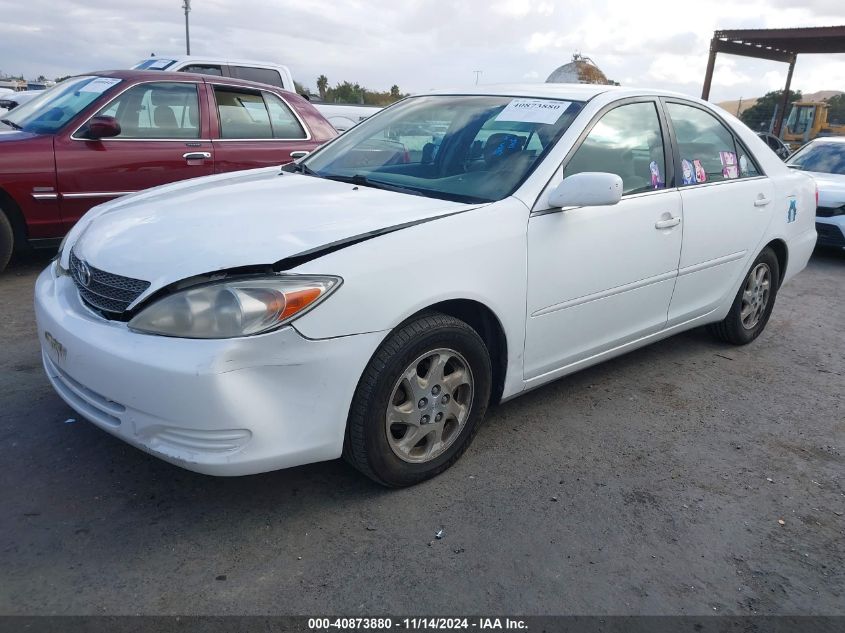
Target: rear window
[[154, 63]]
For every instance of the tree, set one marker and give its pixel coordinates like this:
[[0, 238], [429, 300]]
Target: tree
[[394, 92], [41, 78], [836, 109], [322, 85], [759, 116]]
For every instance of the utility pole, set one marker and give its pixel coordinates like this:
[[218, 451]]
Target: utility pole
[[477, 75], [186, 4]]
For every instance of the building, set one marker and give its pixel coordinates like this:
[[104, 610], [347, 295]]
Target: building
[[581, 70]]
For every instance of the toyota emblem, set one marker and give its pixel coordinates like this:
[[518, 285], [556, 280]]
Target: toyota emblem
[[84, 274]]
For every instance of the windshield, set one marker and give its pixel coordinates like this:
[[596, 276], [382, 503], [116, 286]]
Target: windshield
[[460, 148], [49, 111], [826, 158], [154, 63], [800, 118]]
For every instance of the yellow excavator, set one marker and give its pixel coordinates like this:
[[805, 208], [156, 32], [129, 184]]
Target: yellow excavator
[[807, 120]]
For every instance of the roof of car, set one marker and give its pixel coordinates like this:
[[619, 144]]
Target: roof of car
[[163, 75], [569, 92], [216, 60]]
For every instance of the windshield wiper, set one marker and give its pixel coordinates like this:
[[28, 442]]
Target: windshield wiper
[[300, 168], [361, 179], [11, 124]]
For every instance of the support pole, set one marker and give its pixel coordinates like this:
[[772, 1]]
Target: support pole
[[784, 104], [186, 4], [708, 75]]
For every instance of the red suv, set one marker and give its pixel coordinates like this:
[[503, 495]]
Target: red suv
[[98, 136]]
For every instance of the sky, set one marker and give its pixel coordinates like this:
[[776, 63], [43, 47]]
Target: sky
[[425, 44]]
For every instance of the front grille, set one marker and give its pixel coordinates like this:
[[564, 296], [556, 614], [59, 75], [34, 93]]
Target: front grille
[[105, 291], [829, 234], [829, 212]]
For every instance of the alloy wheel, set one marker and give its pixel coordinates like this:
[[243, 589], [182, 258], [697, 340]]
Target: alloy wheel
[[429, 405]]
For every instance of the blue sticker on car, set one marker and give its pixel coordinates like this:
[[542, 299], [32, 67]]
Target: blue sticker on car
[[792, 212]]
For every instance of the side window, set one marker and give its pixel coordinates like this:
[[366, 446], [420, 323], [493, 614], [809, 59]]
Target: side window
[[203, 69], [156, 111], [283, 121], [242, 114], [709, 152], [626, 141], [261, 75]]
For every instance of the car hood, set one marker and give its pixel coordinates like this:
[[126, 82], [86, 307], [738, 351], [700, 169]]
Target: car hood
[[831, 189], [255, 217], [9, 134]]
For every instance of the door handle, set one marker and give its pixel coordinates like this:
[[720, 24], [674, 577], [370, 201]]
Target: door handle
[[196, 155], [667, 224], [299, 154], [762, 201]]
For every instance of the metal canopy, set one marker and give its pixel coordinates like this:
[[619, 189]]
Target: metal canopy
[[780, 45]]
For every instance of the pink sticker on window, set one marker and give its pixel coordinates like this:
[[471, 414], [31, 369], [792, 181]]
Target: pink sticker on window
[[729, 166]]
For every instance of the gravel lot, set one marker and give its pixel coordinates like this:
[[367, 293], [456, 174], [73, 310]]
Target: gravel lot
[[652, 484]]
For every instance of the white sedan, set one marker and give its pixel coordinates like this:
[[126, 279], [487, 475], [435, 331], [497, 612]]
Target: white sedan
[[824, 159], [455, 250]]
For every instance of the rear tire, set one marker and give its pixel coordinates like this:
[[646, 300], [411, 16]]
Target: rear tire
[[419, 401], [754, 301], [7, 240]]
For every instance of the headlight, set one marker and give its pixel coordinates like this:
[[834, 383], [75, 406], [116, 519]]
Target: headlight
[[239, 307], [59, 270]]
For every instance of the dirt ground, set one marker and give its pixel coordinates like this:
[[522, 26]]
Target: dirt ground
[[651, 484]]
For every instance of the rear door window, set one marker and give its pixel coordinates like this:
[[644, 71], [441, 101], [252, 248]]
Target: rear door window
[[242, 115], [203, 69], [708, 150], [261, 75], [282, 119]]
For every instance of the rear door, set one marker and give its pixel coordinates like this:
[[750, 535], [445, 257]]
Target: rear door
[[727, 205], [164, 138], [255, 128]]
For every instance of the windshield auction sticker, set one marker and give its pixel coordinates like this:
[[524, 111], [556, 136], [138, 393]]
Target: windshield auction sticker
[[533, 111], [100, 84]]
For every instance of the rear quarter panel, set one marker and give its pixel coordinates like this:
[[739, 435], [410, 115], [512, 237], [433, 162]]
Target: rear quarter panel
[[798, 230], [794, 220]]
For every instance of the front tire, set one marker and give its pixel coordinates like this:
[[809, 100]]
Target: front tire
[[754, 301], [419, 401], [7, 240]]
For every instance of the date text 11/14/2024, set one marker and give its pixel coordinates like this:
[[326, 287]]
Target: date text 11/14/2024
[[416, 624]]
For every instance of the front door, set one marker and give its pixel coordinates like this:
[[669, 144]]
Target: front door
[[256, 128], [599, 277], [162, 140]]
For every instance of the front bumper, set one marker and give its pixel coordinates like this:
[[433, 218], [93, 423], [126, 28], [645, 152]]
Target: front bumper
[[220, 407]]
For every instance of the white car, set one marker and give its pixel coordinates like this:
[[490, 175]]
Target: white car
[[374, 298], [824, 160], [12, 101]]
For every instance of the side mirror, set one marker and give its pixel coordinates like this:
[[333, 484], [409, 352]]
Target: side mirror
[[587, 189], [101, 127]]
